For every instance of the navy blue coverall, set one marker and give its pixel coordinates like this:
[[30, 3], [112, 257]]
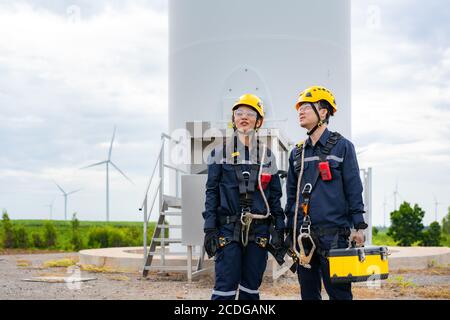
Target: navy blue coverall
[[335, 204], [238, 268]]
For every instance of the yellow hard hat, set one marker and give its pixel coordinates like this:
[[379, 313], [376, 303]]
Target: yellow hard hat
[[252, 101], [315, 94]]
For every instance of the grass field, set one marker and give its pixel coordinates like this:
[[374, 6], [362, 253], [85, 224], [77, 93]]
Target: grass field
[[129, 233], [383, 239], [122, 233]]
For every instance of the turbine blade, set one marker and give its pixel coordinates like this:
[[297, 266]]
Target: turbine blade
[[121, 172], [112, 141], [95, 164], [59, 187], [74, 191]]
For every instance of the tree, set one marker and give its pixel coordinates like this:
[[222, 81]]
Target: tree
[[432, 236], [374, 231], [76, 240], [50, 234], [446, 223], [8, 232], [406, 224]]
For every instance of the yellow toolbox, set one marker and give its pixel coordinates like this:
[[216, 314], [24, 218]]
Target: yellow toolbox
[[358, 264]]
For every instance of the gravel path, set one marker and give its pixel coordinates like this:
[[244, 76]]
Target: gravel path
[[429, 284]]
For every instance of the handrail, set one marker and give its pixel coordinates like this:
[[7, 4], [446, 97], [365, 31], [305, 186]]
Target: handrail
[[153, 199], [153, 173], [163, 136]]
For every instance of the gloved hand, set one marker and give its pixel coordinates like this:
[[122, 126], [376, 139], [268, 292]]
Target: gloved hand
[[357, 236], [211, 242], [279, 242]]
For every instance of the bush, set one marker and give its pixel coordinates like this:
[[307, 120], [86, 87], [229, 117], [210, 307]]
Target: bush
[[116, 238], [406, 224], [76, 241], [50, 234], [432, 236], [20, 237], [8, 232], [106, 237], [37, 240], [446, 223], [374, 231], [98, 238]]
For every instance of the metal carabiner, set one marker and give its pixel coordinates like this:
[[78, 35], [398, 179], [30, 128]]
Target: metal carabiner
[[304, 260], [307, 189]]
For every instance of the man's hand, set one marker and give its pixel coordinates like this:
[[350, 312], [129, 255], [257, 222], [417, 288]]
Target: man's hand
[[211, 242], [358, 236]]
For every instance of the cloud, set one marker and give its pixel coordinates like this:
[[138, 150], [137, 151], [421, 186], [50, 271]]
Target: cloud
[[401, 98], [65, 81]]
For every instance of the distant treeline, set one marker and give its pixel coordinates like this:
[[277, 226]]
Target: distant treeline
[[71, 235]]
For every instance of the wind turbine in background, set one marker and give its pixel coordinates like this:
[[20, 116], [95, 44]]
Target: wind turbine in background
[[50, 206], [436, 203], [395, 194], [65, 195], [108, 162]]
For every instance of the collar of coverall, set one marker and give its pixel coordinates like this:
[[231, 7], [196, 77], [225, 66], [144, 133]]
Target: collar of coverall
[[322, 140]]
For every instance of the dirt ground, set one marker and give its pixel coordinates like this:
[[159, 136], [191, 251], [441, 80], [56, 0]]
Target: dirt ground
[[432, 283]]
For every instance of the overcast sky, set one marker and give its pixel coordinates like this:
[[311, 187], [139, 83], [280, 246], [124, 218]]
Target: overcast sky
[[71, 70]]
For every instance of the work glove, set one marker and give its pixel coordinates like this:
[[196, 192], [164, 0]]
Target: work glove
[[278, 242], [211, 242], [357, 237]]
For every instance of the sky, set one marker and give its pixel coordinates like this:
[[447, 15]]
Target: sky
[[72, 70]]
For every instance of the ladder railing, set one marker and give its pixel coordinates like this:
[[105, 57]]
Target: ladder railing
[[158, 236]]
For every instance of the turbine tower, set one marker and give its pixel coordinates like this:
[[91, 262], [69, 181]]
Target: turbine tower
[[436, 204], [65, 195], [108, 162]]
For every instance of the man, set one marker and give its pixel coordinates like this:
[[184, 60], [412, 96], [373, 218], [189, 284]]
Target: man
[[242, 207], [324, 195]]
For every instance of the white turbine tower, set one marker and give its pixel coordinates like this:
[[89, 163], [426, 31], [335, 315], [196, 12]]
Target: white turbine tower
[[50, 207], [65, 194], [436, 204], [108, 162]]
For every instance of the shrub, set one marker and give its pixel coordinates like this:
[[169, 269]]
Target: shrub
[[37, 240], [20, 237], [50, 234], [432, 236], [98, 238], [76, 241], [8, 232], [374, 231]]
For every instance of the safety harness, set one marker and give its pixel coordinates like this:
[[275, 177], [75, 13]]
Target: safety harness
[[305, 240], [248, 180]]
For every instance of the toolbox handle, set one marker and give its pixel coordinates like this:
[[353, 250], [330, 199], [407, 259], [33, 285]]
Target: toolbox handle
[[361, 253]]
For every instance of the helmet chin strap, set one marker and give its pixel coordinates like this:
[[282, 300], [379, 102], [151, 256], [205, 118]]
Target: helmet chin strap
[[319, 124]]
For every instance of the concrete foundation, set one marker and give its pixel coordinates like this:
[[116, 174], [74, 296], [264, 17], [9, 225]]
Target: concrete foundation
[[130, 259]]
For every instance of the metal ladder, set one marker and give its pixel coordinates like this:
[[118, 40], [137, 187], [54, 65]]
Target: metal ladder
[[168, 206]]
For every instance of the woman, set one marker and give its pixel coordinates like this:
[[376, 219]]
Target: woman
[[242, 207]]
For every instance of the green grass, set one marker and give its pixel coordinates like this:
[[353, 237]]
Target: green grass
[[382, 239], [132, 230]]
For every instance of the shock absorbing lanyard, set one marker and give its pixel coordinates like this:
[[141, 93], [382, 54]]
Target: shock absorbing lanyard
[[305, 229]]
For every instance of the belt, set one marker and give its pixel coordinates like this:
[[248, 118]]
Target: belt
[[223, 220]]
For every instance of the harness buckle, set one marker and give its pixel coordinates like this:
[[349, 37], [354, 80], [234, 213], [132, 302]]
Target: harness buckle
[[223, 241], [261, 241]]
